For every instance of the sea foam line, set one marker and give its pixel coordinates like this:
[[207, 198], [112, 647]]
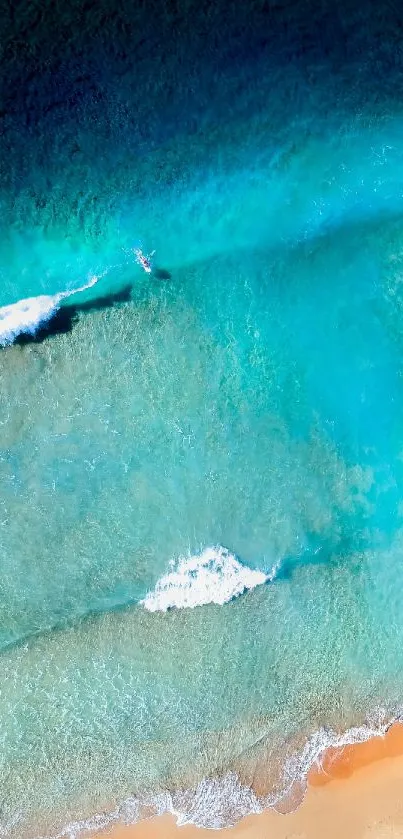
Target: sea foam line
[[216, 803], [214, 576], [26, 316], [298, 766]]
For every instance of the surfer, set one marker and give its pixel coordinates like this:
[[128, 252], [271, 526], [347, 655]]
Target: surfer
[[143, 259]]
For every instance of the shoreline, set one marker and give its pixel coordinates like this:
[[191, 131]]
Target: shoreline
[[356, 789]]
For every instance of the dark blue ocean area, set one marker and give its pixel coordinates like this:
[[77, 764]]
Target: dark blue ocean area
[[201, 403]]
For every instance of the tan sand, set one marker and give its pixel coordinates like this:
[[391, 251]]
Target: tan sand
[[357, 795]]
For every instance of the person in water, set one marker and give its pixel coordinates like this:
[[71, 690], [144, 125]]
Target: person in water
[[144, 260]]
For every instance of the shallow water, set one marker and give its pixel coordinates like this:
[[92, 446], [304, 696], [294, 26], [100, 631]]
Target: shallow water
[[251, 400]]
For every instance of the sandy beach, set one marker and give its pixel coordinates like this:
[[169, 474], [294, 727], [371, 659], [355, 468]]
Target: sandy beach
[[357, 792]]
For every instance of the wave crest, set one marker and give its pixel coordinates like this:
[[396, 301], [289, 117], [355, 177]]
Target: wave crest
[[214, 576], [26, 316]]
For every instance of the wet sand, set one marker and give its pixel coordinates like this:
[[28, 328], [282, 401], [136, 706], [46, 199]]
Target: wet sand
[[357, 792]]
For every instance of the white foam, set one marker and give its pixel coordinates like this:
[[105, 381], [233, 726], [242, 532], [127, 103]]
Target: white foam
[[217, 803], [214, 576], [297, 767], [26, 316]]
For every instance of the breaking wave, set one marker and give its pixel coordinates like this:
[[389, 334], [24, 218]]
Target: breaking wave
[[214, 576], [26, 316]]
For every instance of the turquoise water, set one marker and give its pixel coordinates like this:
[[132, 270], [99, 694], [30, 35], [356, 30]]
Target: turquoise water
[[252, 401]]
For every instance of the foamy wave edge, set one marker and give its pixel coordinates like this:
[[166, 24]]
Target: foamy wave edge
[[26, 316], [217, 803], [214, 576]]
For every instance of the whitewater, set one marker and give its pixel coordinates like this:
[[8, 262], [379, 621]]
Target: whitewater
[[205, 805], [26, 316], [215, 576]]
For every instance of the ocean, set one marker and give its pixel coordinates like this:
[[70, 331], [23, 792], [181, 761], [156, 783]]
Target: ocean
[[201, 505]]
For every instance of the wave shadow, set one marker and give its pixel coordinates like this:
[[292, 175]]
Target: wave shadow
[[161, 274], [64, 319]]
